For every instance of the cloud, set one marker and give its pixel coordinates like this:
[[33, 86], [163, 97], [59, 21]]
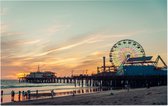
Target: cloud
[[10, 72], [63, 57], [51, 30], [90, 40], [62, 48], [86, 40], [19, 48], [6, 32], [14, 61], [62, 66], [13, 44], [29, 42], [12, 33]]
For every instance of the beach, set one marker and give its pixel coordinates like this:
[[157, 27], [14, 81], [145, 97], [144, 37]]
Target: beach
[[139, 96], [8, 85]]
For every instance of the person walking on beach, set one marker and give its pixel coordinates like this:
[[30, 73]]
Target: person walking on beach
[[36, 93], [125, 86], [12, 95], [128, 87], [23, 94], [1, 96], [82, 91], [28, 94], [19, 95], [73, 93], [148, 85], [52, 93]]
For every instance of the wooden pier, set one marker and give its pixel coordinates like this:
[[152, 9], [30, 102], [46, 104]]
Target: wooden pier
[[101, 80]]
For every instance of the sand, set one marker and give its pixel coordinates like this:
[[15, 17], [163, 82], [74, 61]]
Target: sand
[[140, 96]]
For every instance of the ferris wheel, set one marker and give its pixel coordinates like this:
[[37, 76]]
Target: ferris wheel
[[125, 49]]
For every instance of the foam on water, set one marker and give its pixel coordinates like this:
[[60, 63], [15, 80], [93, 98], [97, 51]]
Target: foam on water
[[8, 85]]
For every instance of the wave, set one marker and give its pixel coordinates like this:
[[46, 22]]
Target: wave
[[6, 84], [24, 86], [13, 86]]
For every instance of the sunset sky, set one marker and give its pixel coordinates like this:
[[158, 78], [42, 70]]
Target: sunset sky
[[65, 36]]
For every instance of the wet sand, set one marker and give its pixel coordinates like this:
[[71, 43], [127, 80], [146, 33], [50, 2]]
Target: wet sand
[[140, 96]]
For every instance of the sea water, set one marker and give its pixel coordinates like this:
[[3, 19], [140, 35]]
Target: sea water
[[8, 85]]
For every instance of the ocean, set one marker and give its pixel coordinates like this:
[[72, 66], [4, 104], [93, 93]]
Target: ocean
[[8, 85]]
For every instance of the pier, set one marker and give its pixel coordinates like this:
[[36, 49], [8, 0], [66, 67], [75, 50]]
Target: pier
[[126, 69], [114, 82]]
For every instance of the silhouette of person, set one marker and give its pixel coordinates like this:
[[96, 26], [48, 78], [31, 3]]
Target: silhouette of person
[[28, 94], [12, 95], [19, 95], [23, 94], [52, 93], [1, 96], [36, 93]]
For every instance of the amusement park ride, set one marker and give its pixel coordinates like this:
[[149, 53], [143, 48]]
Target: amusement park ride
[[128, 58]]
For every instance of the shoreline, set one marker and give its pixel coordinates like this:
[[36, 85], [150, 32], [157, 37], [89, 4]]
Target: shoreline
[[47, 94], [139, 96]]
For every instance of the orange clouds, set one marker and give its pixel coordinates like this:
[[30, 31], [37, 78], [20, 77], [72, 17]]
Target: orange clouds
[[78, 54], [62, 66]]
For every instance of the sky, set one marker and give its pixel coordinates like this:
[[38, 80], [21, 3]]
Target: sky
[[62, 36]]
